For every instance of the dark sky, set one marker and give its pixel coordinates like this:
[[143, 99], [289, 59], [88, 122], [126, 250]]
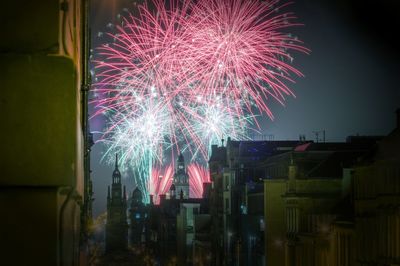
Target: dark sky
[[352, 75]]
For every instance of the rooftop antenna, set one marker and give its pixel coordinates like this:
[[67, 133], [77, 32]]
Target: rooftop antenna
[[302, 138], [317, 133]]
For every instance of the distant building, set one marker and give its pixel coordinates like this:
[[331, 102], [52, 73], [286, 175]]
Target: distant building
[[170, 226], [181, 178], [116, 227], [236, 199], [282, 203]]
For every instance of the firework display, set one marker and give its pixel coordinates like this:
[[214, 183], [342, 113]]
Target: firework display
[[182, 75]]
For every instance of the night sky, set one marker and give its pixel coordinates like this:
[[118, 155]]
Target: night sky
[[351, 83]]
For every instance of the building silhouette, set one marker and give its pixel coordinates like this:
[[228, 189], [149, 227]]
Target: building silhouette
[[171, 228], [168, 228], [116, 227]]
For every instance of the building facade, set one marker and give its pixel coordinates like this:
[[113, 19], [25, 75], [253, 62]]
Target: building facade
[[308, 210], [376, 196], [284, 202]]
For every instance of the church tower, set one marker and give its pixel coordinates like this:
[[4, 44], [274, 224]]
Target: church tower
[[116, 227], [181, 179]]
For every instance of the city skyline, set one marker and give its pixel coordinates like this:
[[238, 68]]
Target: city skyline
[[349, 64]]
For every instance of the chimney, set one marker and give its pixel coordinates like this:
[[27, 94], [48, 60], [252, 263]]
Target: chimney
[[163, 197], [398, 117]]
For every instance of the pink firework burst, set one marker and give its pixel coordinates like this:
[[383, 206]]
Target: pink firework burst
[[197, 176], [240, 50], [160, 182]]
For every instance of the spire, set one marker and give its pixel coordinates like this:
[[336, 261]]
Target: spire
[[181, 159], [108, 193], [116, 174]]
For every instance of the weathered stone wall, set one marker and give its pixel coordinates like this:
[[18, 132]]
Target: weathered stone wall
[[41, 183]]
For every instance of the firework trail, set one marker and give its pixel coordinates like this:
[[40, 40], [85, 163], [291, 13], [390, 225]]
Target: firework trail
[[182, 75], [197, 176], [160, 182]]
